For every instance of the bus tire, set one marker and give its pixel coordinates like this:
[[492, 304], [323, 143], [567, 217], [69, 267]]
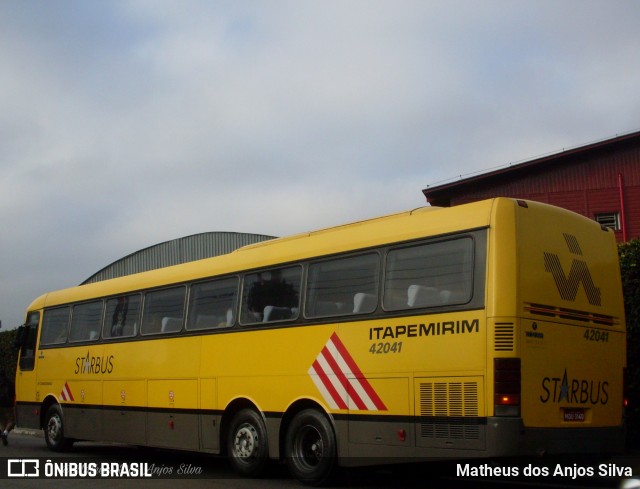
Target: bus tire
[[54, 430], [310, 447], [247, 444]]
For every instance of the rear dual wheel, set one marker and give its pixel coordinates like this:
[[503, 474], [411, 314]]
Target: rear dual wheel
[[310, 447]]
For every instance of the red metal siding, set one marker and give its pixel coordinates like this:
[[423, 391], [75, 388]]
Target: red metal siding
[[632, 210], [574, 200], [585, 182]]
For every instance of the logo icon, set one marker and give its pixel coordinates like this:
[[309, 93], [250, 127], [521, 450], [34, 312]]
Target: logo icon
[[340, 381], [569, 284], [23, 467]]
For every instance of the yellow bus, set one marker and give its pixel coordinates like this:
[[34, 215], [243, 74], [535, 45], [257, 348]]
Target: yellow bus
[[484, 330]]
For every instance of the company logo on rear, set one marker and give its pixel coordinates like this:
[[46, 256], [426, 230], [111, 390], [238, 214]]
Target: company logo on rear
[[569, 284]]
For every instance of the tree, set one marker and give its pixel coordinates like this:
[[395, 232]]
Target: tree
[[630, 270], [8, 352]]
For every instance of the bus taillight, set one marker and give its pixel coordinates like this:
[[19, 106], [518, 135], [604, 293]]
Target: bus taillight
[[506, 386], [625, 391]]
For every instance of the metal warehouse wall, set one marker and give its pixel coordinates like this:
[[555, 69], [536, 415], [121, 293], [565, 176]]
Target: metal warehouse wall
[[181, 250]]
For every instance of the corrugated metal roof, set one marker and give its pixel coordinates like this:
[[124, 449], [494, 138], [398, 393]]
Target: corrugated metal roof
[[174, 252]]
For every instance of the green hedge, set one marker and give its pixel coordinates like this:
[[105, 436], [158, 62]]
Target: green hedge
[[630, 267], [8, 354]]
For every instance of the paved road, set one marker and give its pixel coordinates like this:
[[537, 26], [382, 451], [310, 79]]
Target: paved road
[[214, 473]]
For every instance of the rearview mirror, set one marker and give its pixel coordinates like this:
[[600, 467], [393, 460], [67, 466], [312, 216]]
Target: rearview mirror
[[21, 336]]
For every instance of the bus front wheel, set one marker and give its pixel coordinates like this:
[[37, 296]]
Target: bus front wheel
[[310, 447], [247, 443], [54, 430]]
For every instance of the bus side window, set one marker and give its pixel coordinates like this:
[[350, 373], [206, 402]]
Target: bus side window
[[429, 275], [55, 326], [86, 322], [271, 295], [212, 304], [343, 286], [163, 311], [122, 317]]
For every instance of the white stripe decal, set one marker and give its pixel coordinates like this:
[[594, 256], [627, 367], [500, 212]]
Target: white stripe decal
[[333, 374], [66, 393]]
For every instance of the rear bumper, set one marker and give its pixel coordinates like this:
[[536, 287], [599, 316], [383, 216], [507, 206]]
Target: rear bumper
[[480, 438], [510, 437]]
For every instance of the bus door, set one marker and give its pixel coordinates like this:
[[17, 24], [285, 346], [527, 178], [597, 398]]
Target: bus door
[[26, 339]]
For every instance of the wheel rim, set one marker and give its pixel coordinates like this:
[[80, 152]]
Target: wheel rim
[[309, 446], [54, 427], [246, 442]]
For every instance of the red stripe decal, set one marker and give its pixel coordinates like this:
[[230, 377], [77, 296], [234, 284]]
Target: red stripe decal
[[358, 373], [335, 360], [329, 386]]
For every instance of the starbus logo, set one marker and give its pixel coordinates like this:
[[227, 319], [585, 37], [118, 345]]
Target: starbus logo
[[569, 284], [574, 390], [91, 364]]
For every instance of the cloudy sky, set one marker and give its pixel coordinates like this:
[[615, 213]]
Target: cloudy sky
[[124, 123]]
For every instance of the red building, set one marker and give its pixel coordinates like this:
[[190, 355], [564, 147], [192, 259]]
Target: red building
[[599, 180]]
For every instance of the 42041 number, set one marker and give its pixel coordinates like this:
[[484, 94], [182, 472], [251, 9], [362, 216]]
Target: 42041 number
[[596, 335], [388, 347]]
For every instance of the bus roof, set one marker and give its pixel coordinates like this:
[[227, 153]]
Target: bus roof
[[399, 227]]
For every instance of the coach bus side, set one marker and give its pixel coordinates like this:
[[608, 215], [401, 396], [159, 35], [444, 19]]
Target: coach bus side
[[414, 336], [214, 386]]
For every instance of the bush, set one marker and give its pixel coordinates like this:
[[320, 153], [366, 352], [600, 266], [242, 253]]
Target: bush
[[8, 353], [630, 269]]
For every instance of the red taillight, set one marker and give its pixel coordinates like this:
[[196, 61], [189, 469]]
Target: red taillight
[[625, 393], [506, 386], [508, 399]]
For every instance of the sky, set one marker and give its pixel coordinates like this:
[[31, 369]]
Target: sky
[[126, 123]]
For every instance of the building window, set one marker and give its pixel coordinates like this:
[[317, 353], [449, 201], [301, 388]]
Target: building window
[[609, 219]]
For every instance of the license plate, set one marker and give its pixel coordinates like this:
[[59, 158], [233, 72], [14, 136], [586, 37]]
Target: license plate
[[574, 415]]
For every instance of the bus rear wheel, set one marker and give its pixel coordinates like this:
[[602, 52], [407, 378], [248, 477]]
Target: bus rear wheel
[[54, 430], [310, 447], [247, 445]]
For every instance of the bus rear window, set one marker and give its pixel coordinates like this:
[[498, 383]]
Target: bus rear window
[[429, 275]]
